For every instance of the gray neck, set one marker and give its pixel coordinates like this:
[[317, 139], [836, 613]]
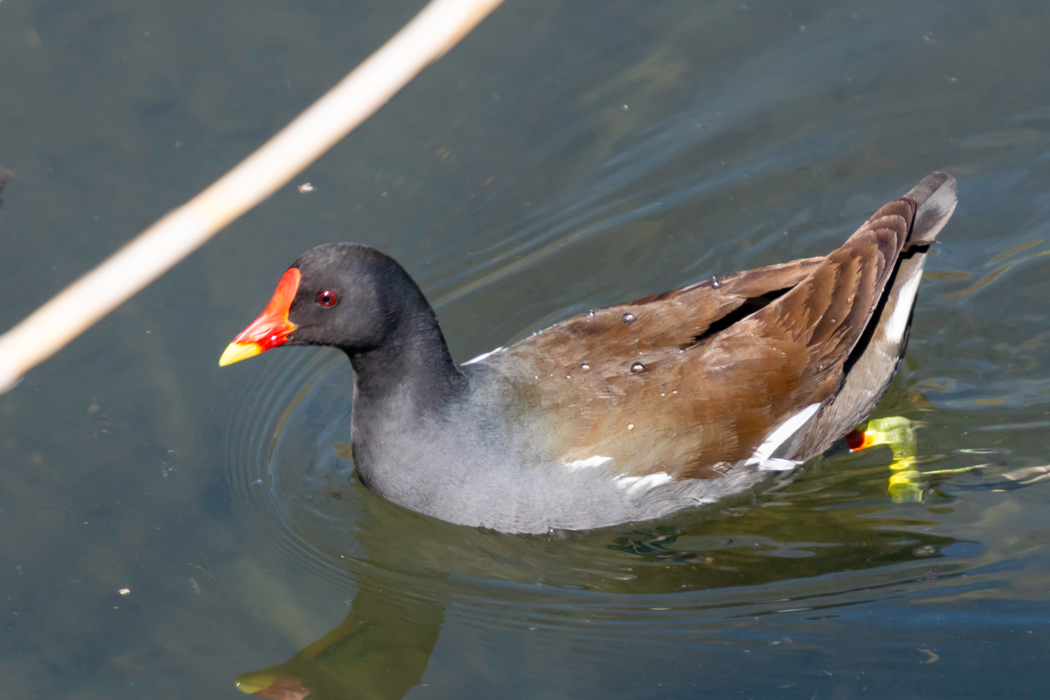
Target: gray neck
[[412, 364], [400, 388]]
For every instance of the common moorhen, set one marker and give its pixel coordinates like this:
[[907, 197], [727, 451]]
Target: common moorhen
[[622, 414]]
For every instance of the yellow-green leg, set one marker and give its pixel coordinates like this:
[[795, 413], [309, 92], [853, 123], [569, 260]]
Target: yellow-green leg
[[899, 434], [906, 482]]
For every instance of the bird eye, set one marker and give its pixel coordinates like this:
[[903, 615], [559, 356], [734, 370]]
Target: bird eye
[[327, 299]]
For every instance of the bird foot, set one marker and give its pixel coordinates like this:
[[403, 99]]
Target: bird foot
[[907, 484], [898, 433]]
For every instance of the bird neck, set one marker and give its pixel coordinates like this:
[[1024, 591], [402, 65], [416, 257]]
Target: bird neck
[[412, 366]]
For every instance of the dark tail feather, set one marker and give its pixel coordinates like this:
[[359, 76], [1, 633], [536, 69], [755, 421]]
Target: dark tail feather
[[936, 197], [875, 358]]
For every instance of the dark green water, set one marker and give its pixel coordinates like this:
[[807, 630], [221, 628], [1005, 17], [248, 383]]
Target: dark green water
[[567, 155]]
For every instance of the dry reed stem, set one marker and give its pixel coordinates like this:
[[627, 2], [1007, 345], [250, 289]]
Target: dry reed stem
[[436, 29]]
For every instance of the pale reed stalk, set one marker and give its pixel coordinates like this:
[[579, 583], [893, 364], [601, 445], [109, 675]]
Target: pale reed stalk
[[436, 29]]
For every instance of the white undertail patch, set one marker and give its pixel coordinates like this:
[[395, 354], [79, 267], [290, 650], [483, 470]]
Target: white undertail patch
[[898, 322], [763, 457]]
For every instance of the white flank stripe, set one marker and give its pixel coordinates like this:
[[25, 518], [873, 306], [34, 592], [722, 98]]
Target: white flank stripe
[[898, 322], [595, 461], [635, 484], [482, 356], [776, 464], [763, 456]]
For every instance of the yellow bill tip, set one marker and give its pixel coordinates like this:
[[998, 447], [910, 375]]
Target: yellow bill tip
[[236, 352]]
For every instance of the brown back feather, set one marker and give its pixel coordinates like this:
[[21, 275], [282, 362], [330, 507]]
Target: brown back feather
[[703, 396]]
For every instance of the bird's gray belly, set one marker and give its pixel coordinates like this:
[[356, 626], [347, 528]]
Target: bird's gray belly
[[536, 498]]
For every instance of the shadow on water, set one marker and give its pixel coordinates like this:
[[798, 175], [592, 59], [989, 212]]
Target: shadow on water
[[809, 546]]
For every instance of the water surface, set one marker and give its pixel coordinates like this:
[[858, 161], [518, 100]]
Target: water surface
[[564, 157]]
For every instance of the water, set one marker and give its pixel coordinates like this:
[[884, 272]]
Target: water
[[567, 156]]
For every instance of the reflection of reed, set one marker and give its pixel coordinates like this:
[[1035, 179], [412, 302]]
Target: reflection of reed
[[979, 284], [429, 35], [994, 274]]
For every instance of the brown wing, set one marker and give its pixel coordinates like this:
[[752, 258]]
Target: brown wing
[[690, 381], [669, 320], [790, 354]]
